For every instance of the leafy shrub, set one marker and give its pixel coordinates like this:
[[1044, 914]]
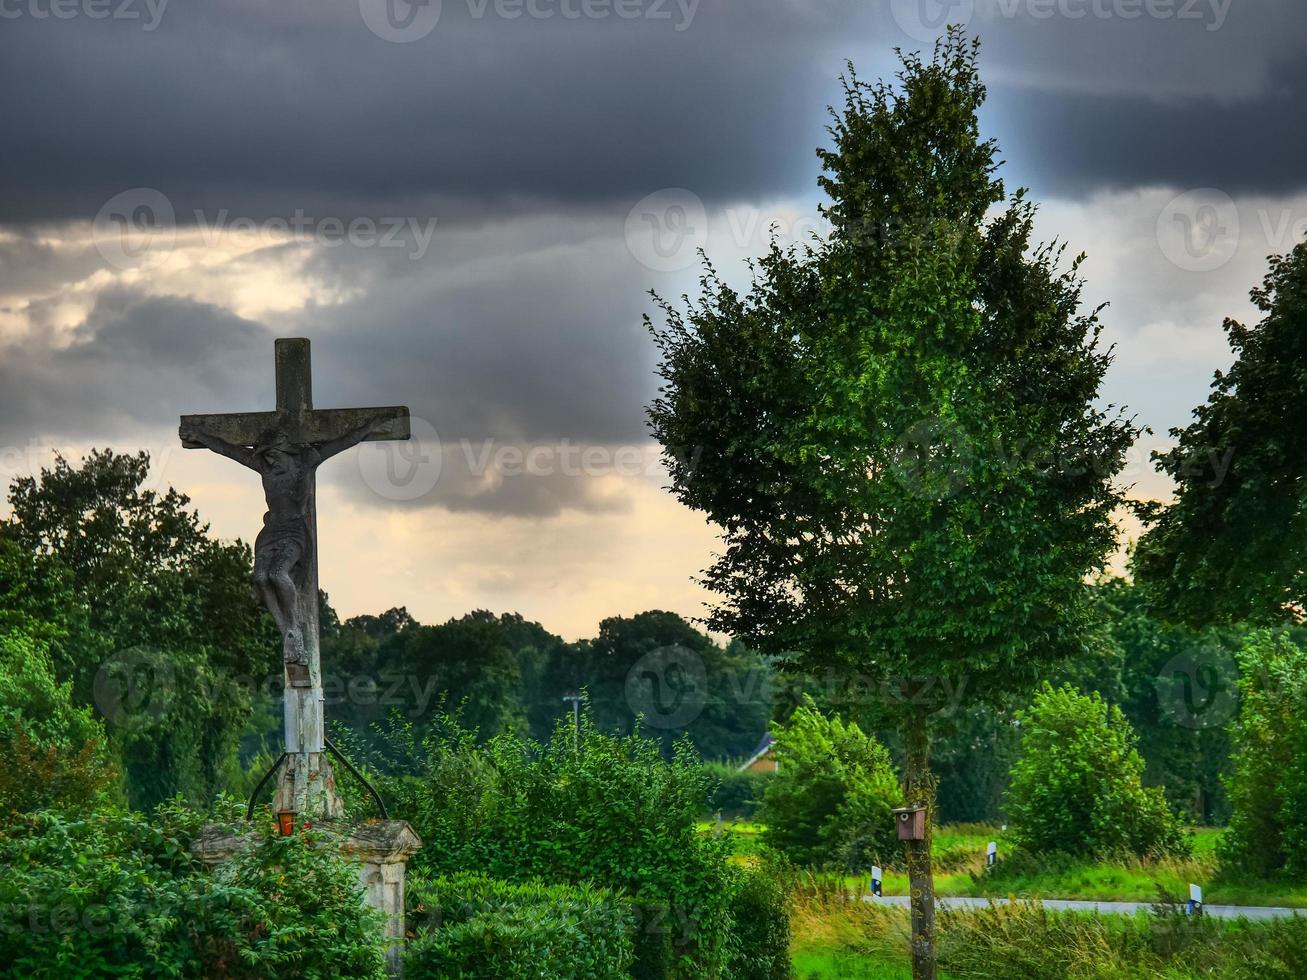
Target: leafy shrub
[[54, 753], [118, 894], [1268, 787], [1076, 786], [582, 808], [738, 794], [761, 927], [293, 907], [469, 926], [830, 799]]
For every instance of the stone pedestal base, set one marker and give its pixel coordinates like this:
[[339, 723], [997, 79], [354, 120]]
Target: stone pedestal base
[[381, 848]]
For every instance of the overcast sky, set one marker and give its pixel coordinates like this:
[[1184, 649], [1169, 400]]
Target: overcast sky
[[464, 203]]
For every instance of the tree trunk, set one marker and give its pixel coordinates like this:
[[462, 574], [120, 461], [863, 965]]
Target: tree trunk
[[919, 790]]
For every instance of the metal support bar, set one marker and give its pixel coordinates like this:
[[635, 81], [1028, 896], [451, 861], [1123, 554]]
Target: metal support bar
[[381, 805], [249, 810]]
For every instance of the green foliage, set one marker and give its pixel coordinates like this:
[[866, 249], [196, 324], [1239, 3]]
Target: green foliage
[[761, 930], [896, 427], [1268, 787], [117, 894], [601, 809], [508, 675], [658, 666], [738, 794], [293, 907], [1032, 944], [1178, 688], [153, 620], [829, 802], [468, 926], [1231, 547], [54, 754], [1076, 787]]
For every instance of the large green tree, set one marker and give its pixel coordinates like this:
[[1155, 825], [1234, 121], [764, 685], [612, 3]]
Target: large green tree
[[156, 627], [1232, 547], [896, 427]]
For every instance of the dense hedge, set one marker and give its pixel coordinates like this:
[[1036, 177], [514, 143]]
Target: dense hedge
[[471, 927], [601, 809], [738, 794], [760, 936], [117, 894]]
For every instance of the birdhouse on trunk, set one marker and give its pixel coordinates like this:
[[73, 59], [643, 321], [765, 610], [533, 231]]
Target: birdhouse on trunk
[[911, 821]]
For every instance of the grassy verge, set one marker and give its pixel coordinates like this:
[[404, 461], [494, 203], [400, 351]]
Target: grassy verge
[[836, 937]]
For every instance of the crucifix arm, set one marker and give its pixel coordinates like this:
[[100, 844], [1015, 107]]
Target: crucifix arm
[[377, 423], [190, 432]]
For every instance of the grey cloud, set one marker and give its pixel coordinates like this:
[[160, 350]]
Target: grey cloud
[[260, 109], [135, 363]]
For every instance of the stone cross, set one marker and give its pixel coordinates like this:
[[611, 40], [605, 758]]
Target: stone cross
[[285, 447]]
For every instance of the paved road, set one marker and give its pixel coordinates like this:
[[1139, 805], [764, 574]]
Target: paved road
[[1254, 912]]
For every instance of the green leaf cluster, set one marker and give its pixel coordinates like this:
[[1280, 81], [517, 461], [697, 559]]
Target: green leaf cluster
[[829, 802], [1076, 787]]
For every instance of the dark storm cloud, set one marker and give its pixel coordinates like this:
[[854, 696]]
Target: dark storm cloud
[[260, 109], [134, 363], [1080, 142]]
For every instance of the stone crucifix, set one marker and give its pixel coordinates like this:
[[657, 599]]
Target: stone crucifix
[[285, 448]]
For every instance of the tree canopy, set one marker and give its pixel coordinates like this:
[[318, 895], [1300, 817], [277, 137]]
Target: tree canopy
[[1231, 547]]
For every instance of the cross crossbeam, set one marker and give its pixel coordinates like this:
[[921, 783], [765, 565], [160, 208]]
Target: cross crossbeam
[[285, 447]]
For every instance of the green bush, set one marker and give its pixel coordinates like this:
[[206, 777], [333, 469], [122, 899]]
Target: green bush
[[54, 753], [655, 957], [118, 894], [738, 794], [602, 809], [830, 799], [761, 927], [471, 927], [1076, 786], [1268, 785]]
